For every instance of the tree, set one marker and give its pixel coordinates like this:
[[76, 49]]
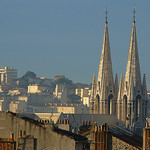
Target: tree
[[23, 81], [28, 75]]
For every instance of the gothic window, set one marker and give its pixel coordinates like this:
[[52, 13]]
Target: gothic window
[[110, 104], [138, 106], [124, 107]]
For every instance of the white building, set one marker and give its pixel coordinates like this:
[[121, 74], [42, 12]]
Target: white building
[[8, 75], [36, 88]]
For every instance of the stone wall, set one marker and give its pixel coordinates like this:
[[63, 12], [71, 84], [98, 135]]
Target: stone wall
[[46, 137], [117, 144]]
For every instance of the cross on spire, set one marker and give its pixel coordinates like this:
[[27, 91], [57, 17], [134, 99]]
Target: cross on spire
[[134, 14], [106, 15]]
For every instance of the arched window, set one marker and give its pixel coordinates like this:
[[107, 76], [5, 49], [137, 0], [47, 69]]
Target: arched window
[[110, 104], [138, 106], [124, 107]]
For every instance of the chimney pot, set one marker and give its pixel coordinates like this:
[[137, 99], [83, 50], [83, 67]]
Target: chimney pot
[[11, 136], [20, 133], [24, 133]]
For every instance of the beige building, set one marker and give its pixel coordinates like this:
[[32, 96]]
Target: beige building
[[86, 100], [59, 77], [39, 135], [8, 75], [61, 93], [148, 94], [49, 116], [4, 104], [36, 88], [84, 92], [18, 106], [17, 91], [71, 108]]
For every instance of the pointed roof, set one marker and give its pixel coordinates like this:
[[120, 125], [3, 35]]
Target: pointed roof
[[103, 91], [133, 66], [131, 89], [93, 86], [105, 65], [121, 86], [144, 87], [116, 86]]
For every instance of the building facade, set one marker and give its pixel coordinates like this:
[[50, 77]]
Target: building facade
[[8, 75], [128, 100]]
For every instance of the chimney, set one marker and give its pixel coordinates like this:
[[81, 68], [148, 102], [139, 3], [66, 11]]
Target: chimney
[[65, 121], [24, 133], [11, 136], [83, 122], [95, 128], [20, 133], [86, 122], [89, 123], [59, 121]]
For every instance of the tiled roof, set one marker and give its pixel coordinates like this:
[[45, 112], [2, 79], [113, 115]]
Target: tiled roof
[[76, 137]]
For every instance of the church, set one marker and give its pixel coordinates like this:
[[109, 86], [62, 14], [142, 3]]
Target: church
[[128, 99]]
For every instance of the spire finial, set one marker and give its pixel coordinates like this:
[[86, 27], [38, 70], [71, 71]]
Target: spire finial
[[106, 15], [134, 14]]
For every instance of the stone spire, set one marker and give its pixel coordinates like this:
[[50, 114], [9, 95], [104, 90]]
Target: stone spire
[[133, 67], [93, 92], [121, 87], [131, 89], [116, 86], [105, 66], [103, 91], [119, 99], [144, 89]]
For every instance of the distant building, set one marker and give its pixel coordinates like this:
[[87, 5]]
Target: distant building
[[86, 100], [59, 77], [148, 95], [18, 106], [61, 93], [146, 135], [8, 75], [36, 88], [39, 99], [22, 97], [4, 103], [48, 116], [83, 92], [17, 91], [76, 120], [71, 108]]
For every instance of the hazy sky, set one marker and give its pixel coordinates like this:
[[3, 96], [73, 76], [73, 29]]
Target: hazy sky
[[51, 37]]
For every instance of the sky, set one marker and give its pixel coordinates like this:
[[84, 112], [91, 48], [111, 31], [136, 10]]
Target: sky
[[54, 37]]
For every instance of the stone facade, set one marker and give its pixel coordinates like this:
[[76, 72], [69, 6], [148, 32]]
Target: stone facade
[[132, 97], [129, 100], [111, 138], [118, 144], [47, 136]]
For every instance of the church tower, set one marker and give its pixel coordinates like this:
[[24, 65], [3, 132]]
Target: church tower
[[132, 97], [103, 99]]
